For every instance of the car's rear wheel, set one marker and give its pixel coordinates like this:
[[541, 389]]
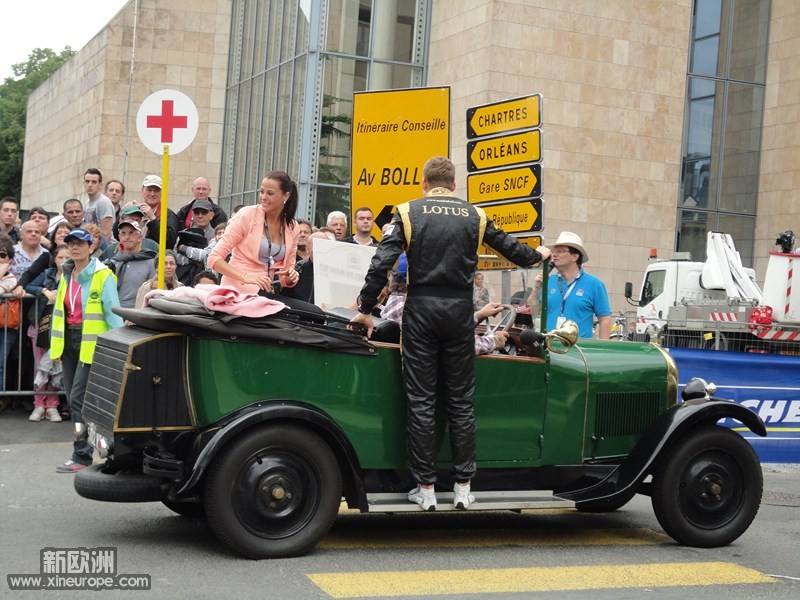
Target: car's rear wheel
[[707, 489], [273, 492]]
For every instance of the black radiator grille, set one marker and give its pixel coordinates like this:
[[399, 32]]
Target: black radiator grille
[[626, 413], [103, 388]]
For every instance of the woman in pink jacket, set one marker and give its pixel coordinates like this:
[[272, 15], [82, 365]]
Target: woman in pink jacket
[[262, 239]]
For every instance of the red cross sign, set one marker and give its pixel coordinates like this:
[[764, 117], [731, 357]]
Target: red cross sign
[[167, 121], [167, 118]]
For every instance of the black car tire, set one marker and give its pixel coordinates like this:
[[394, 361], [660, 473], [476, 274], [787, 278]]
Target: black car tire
[[707, 489], [97, 482], [273, 492], [194, 510]]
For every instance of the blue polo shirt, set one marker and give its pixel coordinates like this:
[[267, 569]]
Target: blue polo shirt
[[579, 301]]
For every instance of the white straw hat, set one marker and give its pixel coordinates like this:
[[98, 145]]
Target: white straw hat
[[573, 240]]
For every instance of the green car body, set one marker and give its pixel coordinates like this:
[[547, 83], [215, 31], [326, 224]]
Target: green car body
[[229, 425]]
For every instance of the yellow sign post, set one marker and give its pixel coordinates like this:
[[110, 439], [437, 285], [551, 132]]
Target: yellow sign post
[[489, 260], [508, 184], [504, 151], [516, 217], [394, 133], [505, 116], [504, 160]]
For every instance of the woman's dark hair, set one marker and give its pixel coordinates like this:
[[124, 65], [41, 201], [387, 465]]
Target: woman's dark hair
[[6, 245], [52, 235], [287, 186], [205, 275], [166, 253]]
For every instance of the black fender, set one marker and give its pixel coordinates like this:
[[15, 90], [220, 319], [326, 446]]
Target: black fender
[[625, 479], [220, 433]]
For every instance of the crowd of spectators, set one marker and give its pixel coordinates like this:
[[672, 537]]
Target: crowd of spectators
[[125, 235]]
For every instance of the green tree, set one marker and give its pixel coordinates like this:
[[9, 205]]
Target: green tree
[[14, 94]]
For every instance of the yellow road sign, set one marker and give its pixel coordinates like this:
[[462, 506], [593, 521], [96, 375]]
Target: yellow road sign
[[394, 133], [504, 151], [504, 116], [491, 261], [508, 184], [517, 217]]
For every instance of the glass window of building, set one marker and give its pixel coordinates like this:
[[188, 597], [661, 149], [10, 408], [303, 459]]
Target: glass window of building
[[294, 68], [722, 124]]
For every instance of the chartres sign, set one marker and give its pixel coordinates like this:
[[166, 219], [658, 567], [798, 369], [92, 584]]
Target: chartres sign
[[503, 117]]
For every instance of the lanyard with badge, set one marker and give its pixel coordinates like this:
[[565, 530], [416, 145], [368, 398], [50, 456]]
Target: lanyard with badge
[[73, 294], [561, 318]]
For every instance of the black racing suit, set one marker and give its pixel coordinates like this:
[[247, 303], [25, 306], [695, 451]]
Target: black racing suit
[[440, 234]]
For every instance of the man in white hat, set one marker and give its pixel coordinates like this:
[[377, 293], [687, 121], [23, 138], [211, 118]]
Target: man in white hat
[[572, 293], [151, 207]]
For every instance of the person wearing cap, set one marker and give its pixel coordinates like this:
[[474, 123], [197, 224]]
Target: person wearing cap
[[195, 242], [86, 295], [134, 213], [200, 191], [573, 294], [133, 265], [441, 235], [151, 207]]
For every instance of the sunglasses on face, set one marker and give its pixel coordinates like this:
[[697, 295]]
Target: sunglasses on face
[[3, 254]]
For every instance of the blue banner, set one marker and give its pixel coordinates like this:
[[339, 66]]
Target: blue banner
[[769, 385]]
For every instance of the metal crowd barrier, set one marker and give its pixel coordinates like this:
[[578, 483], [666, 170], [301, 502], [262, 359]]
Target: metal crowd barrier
[[14, 366]]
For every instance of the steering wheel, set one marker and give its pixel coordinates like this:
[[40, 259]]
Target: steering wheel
[[505, 323]]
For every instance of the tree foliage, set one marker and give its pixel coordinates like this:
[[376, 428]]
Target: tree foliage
[[14, 92]]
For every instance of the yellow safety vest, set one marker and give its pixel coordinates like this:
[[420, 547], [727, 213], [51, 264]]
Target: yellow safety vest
[[94, 321]]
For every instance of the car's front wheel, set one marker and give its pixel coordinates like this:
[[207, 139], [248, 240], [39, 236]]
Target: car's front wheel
[[273, 492], [707, 489]]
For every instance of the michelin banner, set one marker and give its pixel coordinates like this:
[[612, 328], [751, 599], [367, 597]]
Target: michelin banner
[[768, 385]]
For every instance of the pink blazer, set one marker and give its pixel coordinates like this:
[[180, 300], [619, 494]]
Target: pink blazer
[[242, 239]]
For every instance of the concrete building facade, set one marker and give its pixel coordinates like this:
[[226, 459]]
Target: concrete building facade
[[662, 119], [84, 115]]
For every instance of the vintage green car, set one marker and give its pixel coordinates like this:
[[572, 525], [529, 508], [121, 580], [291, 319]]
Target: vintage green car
[[264, 425]]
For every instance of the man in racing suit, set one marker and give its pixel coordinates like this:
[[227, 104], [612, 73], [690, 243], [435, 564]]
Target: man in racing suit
[[441, 235]]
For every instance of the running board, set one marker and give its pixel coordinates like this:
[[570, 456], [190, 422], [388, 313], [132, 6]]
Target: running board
[[514, 500]]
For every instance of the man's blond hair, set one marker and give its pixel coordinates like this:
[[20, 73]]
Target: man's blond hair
[[439, 171]]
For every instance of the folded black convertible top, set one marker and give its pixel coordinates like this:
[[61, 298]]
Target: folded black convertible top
[[189, 316]]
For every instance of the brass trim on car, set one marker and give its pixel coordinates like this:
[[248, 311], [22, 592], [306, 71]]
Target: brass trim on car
[[131, 367], [672, 377]]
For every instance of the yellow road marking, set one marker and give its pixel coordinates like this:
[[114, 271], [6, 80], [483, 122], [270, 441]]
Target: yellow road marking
[[628, 536], [534, 579]]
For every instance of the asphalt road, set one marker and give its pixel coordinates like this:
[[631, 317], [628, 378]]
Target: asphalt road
[[554, 554]]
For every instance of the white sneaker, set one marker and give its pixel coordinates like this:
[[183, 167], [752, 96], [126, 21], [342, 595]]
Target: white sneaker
[[462, 498], [426, 498], [37, 414], [53, 416]]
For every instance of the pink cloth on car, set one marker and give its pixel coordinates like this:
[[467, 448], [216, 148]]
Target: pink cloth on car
[[223, 299]]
